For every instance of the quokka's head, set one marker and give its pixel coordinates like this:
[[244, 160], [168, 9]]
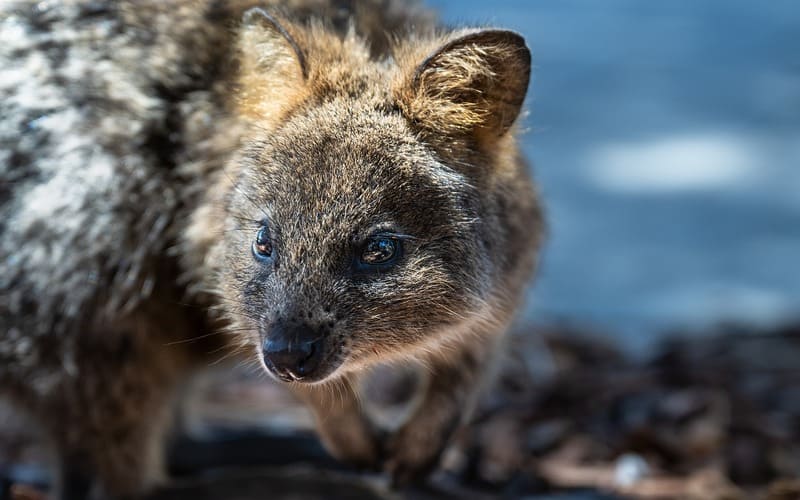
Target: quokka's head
[[362, 224]]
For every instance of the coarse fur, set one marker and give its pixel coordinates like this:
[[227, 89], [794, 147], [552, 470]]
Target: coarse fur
[[143, 145]]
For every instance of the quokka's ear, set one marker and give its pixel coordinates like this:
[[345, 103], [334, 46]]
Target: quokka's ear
[[272, 66], [473, 84]]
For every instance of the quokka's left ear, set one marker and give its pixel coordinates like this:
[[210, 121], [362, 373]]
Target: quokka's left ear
[[272, 65], [473, 84]]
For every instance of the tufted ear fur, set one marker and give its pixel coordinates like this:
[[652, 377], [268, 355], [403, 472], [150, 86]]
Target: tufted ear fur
[[273, 70], [474, 84]]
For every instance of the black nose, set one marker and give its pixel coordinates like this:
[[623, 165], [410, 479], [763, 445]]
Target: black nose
[[292, 352]]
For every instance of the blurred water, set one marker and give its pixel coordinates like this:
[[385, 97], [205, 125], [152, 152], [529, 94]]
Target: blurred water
[[666, 140]]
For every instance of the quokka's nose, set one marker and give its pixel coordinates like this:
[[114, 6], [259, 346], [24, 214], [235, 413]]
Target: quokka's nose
[[292, 353]]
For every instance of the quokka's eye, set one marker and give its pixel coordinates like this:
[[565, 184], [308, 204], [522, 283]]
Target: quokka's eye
[[381, 250], [262, 246]]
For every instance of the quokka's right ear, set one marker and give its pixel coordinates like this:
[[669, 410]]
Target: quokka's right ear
[[272, 66], [473, 85]]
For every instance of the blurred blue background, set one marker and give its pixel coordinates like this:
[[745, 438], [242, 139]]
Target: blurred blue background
[[665, 137]]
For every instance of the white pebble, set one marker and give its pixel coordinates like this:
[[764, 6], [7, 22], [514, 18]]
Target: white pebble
[[630, 468]]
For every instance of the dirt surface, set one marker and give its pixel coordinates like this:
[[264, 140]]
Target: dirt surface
[[715, 416]]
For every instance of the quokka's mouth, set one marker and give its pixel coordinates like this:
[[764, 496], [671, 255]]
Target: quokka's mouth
[[306, 370]]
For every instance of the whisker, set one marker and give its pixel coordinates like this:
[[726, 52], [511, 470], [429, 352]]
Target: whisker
[[192, 339]]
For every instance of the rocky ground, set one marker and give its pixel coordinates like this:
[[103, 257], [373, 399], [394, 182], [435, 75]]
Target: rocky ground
[[705, 417]]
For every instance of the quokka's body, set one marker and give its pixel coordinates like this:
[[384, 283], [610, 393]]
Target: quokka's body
[[331, 184]]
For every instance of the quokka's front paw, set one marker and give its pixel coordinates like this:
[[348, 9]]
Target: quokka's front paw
[[413, 452], [355, 443]]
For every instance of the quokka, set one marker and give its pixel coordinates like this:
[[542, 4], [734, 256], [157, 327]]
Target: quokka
[[330, 184]]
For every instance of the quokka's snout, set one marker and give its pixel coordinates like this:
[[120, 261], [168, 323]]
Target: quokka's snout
[[299, 351]]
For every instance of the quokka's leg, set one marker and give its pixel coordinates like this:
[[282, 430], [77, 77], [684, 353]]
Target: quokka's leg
[[342, 426], [455, 379], [109, 413]]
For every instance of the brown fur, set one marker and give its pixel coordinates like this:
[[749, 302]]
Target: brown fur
[[326, 129]]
